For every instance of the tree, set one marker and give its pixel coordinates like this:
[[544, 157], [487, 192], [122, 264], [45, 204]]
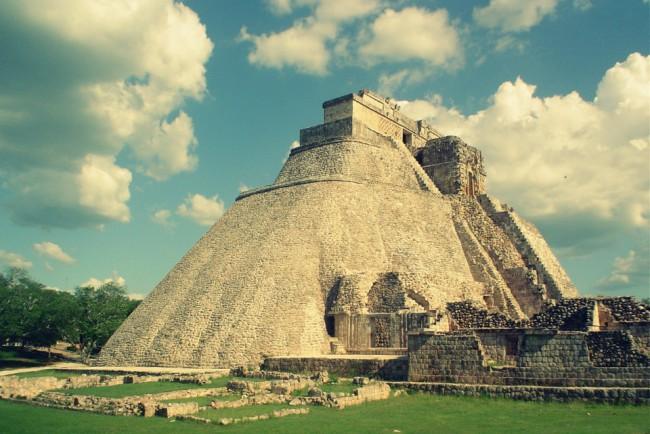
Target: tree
[[99, 312], [20, 304], [32, 314]]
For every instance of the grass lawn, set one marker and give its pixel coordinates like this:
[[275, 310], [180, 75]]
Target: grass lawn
[[344, 387], [247, 410], [409, 414], [206, 400], [122, 390], [48, 373]]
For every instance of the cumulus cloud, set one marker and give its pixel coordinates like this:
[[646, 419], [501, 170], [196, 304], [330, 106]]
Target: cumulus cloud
[[93, 282], [629, 274], [162, 217], [11, 259], [51, 250], [412, 34], [514, 15], [308, 44], [563, 160], [82, 81], [202, 210], [104, 187]]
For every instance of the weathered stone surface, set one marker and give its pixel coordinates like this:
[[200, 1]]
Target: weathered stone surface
[[354, 224]]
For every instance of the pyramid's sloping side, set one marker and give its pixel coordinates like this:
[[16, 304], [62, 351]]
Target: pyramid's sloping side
[[256, 283]]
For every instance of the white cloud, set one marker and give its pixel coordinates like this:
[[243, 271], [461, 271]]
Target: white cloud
[[134, 296], [87, 80], [104, 187], [513, 15], [507, 42], [301, 46], [243, 188], [561, 157], [93, 282], [413, 34], [203, 210], [293, 145], [629, 273], [11, 259], [168, 149], [388, 84], [51, 250], [162, 217], [308, 44]]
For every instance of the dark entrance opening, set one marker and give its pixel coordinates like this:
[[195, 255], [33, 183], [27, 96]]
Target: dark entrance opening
[[407, 138], [512, 345], [330, 325], [419, 157]]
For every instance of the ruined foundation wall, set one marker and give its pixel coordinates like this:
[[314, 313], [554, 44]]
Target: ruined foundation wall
[[387, 368], [544, 358]]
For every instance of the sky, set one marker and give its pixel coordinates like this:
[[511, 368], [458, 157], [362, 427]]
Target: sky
[[128, 127]]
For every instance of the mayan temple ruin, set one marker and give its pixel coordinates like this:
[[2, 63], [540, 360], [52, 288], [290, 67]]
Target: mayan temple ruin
[[377, 238]]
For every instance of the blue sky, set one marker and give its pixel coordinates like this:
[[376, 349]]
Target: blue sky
[[127, 129]]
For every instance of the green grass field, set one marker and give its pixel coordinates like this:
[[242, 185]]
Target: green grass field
[[48, 373], [408, 414], [122, 390], [341, 387], [206, 400]]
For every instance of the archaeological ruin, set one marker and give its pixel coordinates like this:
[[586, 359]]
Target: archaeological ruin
[[378, 251]]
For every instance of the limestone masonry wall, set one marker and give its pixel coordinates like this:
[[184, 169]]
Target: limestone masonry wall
[[388, 368], [526, 357]]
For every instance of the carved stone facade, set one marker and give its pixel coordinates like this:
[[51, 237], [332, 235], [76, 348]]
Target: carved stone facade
[[453, 165]]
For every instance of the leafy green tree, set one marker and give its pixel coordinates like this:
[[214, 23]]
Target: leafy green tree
[[20, 305], [51, 318], [32, 314], [99, 312]]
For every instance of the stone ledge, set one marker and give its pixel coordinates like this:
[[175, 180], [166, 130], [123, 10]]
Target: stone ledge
[[610, 395]]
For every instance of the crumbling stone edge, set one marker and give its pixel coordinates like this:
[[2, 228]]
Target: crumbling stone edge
[[606, 395]]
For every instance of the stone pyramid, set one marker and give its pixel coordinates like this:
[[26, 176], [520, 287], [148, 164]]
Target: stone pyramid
[[374, 221]]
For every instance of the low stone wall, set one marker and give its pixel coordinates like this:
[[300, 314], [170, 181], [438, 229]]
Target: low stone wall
[[132, 406], [13, 387], [231, 421], [177, 409], [371, 392], [388, 368], [609, 395], [615, 348], [553, 350], [27, 388], [544, 358]]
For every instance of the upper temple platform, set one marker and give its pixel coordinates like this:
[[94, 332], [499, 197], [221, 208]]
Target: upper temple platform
[[372, 111]]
